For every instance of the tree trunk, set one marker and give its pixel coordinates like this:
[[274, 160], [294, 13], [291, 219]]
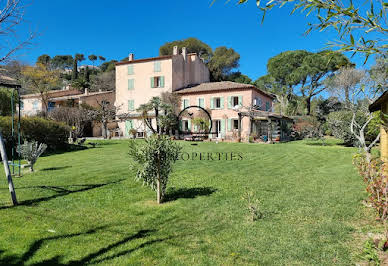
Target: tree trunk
[[7, 171], [157, 120], [104, 129], [308, 105]]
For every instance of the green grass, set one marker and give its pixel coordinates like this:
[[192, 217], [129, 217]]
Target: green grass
[[85, 207]]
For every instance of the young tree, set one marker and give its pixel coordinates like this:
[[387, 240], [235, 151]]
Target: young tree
[[153, 162], [103, 114], [75, 117], [41, 80], [77, 58]]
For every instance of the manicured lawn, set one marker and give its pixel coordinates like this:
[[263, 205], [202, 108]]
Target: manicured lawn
[[85, 207]]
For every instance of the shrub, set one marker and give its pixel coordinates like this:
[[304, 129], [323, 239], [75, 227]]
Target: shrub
[[307, 127], [339, 124], [5, 101], [376, 183], [31, 151], [153, 162], [252, 206], [54, 134]]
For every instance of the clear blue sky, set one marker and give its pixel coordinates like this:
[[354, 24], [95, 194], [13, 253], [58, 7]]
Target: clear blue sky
[[115, 28]]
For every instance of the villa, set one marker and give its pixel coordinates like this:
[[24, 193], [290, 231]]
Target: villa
[[137, 81]]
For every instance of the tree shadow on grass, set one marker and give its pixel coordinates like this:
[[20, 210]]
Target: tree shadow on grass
[[55, 168], [60, 192], [35, 246], [188, 193]]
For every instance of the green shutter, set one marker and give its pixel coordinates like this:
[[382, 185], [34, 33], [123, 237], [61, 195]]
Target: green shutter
[[130, 70], [131, 105], [131, 84], [229, 124], [223, 127], [222, 102], [240, 102], [195, 128], [157, 66], [152, 82], [212, 103], [230, 102], [128, 126], [201, 102], [189, 125], [180, 124], [162, 81]]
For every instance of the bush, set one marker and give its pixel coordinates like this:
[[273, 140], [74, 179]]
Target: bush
[[339, 124], [5, 101], [52, 133], [307, 127], [31, 151], [376, 183]]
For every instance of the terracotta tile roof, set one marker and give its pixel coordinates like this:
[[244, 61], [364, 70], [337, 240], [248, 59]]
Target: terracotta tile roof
[[221, 86], [8, 81], [144, 60]]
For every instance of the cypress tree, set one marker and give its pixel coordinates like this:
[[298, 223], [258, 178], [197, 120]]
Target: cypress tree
[[75, 69]]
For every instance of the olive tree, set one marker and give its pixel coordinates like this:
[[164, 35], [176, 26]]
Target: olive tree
[[153, 161]]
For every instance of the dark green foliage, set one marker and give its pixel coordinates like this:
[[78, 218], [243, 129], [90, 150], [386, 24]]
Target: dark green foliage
[[108, 66], [239, 78], [5, 101], [52, 133], [92, 58], [62, 61], [305, 72], [223, 61], [74, 75], [193, 45], [101, 58], [44, 59]]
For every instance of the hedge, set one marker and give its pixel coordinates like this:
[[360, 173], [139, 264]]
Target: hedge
[[52, 133]]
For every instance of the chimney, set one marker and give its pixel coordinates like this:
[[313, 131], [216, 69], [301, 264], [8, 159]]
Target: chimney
[[184, 53], [131, 57], [86, 91], [175, 50]]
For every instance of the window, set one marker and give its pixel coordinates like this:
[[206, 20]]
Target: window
[[217, 103], [131, 105], [51, 106], [258, 103], [267, 106], [235, 101], [235, 123], [201, 102], [157, 82], [131, 84], [21, 105], [185, 103], [35, 105], [157, 66], [130, 70]]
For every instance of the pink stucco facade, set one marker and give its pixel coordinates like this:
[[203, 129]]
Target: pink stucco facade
[[225, 114]]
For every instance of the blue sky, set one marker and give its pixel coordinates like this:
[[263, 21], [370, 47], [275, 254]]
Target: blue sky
[[117, 27]]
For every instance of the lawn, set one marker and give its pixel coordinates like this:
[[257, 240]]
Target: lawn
[[85, 207]]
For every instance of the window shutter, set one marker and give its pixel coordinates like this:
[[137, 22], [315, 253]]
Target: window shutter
[[229, 124], [131, 84], [222, 102], [230, 102], [131, 106], [157, 66], [180, 124], [189, 125], [240, 101], [162, 81], [195, 128], [223, 127], [130, 70], [152, 82], [212, 103], [199, 102]]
